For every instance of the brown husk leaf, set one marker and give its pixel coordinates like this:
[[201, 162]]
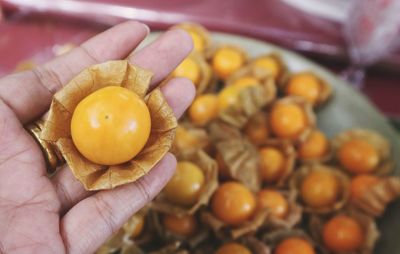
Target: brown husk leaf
[[251, 100], [283, 74], [189, 139], [368, 224], [210, 170], [382, 145], [294, 216], [238, 155], [114, 73], [308, 112], [297, 179], [376, 198], [122, 241], [325, 93], [287, 149], [255, 245], [228, 232]]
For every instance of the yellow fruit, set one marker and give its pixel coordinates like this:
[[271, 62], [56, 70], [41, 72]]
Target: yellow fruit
[[287, 120], [226, 61], [233, 203], [358, 156], [270, 65], [305, 85], [204, 109], [188, 69], [111, 125], [320, 189], [184, 226], [272, 164], [186, 184]]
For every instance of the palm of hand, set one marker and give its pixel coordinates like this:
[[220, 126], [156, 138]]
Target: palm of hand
[[57, 215]]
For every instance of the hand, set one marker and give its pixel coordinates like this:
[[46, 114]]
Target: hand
[[56, 215]]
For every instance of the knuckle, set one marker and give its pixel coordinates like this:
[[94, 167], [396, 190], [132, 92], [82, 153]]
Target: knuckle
[[48, 79]]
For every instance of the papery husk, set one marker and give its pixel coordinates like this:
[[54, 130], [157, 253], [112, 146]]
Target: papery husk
[[114, 73], [192, 241], [210, 170], [251, 100], [325, 92], [225, 231], [238, 155], [370, 229], [325, 158], [255, 245], [274, 238], [293, 217], [283, 73], [381, 144], [189, 139], [308, 112], [287, 149], [198, 29], [297, 179], [376, 198], [122, 241], [171, 248]]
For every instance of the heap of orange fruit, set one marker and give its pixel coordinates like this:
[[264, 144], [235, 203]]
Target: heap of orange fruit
[[308, 184]]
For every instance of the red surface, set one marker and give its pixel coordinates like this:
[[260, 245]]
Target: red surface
[[23, 37]]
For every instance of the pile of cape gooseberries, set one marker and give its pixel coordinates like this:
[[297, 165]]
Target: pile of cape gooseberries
[[311, 194]]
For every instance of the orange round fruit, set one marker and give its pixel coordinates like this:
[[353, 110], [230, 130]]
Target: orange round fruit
[[230, 95], [203, 109], [188, 69], [287, 120], [272, 162], [304, 85], [233, 248], [186, 184], [320, 189], [274, 201], [358, 156], [257, 132], [269, 64], [361, 183], [183, 226], [233, 203], [294, 245], [138, 226], [111, 125], [245, 81], [343, 234], [227, 60], [314, 147]]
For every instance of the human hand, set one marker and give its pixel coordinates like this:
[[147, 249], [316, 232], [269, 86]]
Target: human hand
[[57, 215]]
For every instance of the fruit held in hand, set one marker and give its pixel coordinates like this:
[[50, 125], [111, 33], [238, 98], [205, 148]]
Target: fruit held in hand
[[111, 125]]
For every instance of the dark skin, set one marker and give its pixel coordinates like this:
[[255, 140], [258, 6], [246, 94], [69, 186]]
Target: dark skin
[[57, 215]]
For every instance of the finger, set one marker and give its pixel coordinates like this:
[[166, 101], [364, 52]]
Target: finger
[[178, 92], [163, 55], [29, 93], [88, 224]]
